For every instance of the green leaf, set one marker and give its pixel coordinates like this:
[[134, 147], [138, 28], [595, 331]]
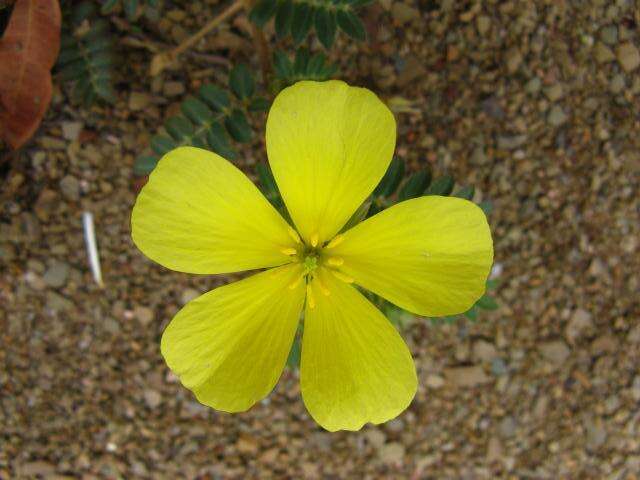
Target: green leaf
[[486, 206], [391, 179], [301, 21], [108, 6], [217, 138], [241, 81], [259, 104], [301, 61], [196, 111], [131, 9], [180, 129], [263, 11], [162, 144], [359, 215], [284, 15], [326, 25], [293, 360], [238, 127], [351, 24], [282, 65], [492, 284], [215, 97], [144, 164], [466, 192], [267, 180], [472, 313], [441, 186], [415, 185], [487, 302]]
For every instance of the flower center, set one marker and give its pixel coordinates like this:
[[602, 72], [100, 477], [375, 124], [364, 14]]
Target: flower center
[[310, 263]]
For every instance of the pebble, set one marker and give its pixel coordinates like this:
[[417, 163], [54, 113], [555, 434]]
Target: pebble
[[57, 302], [494, 450], [483, 23], [533, 86], [484, 351], [392, 453], [580, 324], [635, 388], [609, 35], [70, 188], [511, 142], [144, 314], [513, 60], [434, 381], [173, 89], [152, 398], [555, 92], [71, 130], [508, 427], [555, 351], [375, 437], [603, 54], [628, 56], [466, 376], [188, 295], [139, 101], [56, 275], [403, 13], [556, 116]]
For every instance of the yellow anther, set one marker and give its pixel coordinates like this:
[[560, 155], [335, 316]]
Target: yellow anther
[[337, 240], [342, 276], [295, 283], [293, 234], [325, 291], [310, 298], [289, 251], [314, 240], [335, 261]]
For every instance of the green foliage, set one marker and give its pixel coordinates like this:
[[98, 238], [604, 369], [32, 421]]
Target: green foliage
[[86, 57], [299, 17], [210, 119], [133, 8], [305, 66]]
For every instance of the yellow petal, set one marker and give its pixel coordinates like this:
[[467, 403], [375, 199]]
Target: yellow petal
[[229, 346], [328, 146], [355, 366], [429, 255], [200, 214]]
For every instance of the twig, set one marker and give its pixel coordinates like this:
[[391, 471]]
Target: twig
[[92, 247], [163, 60]]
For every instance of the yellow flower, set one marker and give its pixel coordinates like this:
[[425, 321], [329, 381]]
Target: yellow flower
[[328, 145]]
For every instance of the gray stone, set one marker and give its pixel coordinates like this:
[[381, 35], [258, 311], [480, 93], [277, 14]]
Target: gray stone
[[555, 351], [56, 275], [71, 130], [484, 351], [70, 188], [628, 56], [144, 314], [555, 92], [511, 142], [508, 427], [617, 84], [392, 453], [556, 116], [533, 86], [188, 295], [602, 53], [152, 398], [57, 302], [466, 376], [609, 34], [580, 324]]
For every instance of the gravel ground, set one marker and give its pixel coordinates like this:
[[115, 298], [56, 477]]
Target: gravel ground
[[535, 102]]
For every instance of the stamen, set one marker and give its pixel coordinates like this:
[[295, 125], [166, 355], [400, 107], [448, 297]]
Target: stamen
[[335, 261], [310, 298], [314, 240], [296, 282], [337, 240], [288, 251], [342, 276], [293, 234], [325, 291]]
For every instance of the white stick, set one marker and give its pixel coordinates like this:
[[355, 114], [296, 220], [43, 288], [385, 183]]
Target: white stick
[[92, 247]]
